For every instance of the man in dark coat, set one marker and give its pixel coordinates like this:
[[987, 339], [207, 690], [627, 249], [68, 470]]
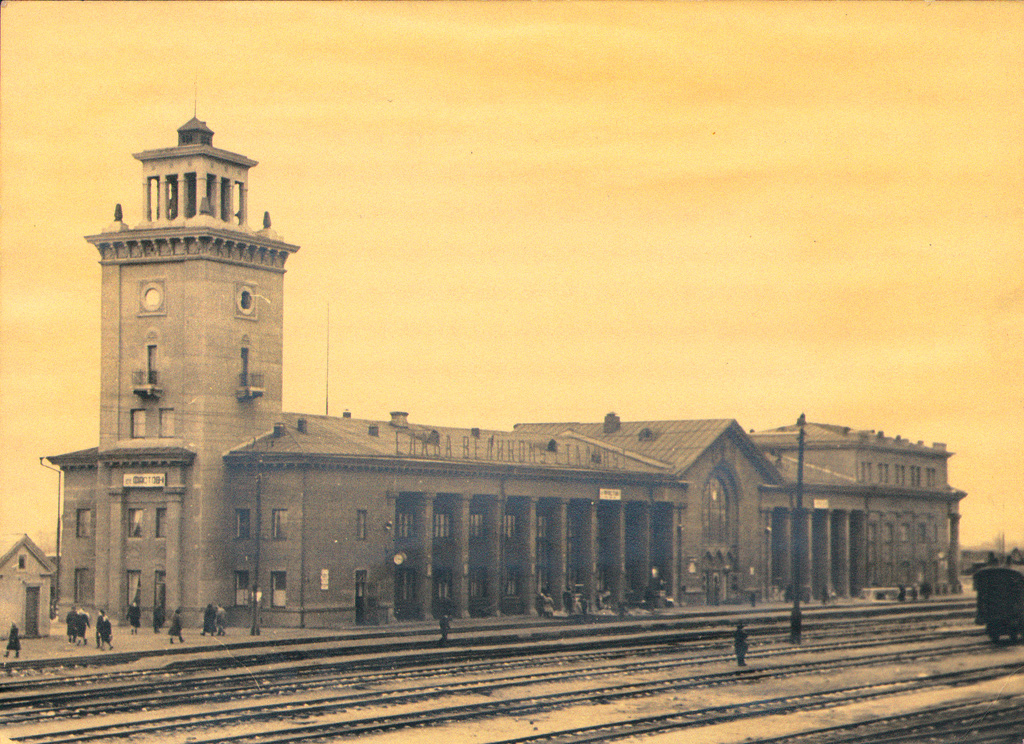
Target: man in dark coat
[[739, 642], [158, 618], [445, 623], [72, 620], [82, 625], [104, 630]]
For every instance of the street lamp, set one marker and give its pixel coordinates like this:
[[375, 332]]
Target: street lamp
[[56, 587], [795, 619]]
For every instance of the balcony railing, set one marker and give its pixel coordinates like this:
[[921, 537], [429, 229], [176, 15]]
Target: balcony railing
[[146, 383], [250, 385]]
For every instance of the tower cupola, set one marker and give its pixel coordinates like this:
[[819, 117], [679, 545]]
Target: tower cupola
[[194, 132]]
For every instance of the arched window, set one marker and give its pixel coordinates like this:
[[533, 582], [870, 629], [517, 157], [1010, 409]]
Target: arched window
[[717, 508]]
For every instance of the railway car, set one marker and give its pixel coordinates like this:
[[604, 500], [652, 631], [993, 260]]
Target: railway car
[[1000, 608]]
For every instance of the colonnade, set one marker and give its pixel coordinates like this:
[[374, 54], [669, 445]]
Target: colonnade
[[487, 555]]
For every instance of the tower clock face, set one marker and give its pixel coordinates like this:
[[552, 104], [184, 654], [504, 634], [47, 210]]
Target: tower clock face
[[152, 298]]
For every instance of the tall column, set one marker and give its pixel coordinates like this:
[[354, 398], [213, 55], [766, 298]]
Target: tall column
[[618, 589], [953, 560], [805, 536], [530, 588], [425, 565], [494, 563], [559, 526], [460, 571], [590, 552], [822, 586], [643, 538], [387, 585], [841, 552], [676, 569]]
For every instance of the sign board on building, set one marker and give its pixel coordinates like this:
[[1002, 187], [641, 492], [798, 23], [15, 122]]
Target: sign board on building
[[144, 480], [611, 494], [821, 503], [325, 579]]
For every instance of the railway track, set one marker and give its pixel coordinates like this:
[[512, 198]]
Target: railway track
[[105, 694], [339, 703]]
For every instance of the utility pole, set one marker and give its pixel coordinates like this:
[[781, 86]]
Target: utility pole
[[56, 587], [795, 619], [255, 628]]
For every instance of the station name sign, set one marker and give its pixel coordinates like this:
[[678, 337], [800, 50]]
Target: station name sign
[[610, 494], [145, 480]]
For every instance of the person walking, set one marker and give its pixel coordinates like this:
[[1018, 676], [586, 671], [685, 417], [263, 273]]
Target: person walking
[[175, 630], [82, 626], [209, 620], [739, 643], [72, 621], [158, 618], [13, 641], [445, 623], [104, 631], [134, 617], [221, 620]]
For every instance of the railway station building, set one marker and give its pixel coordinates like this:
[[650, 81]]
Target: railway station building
[[203, 490]]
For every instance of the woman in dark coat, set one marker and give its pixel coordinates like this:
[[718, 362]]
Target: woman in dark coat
[[134, 617], [175, 630], [209, 620], [13, 641]]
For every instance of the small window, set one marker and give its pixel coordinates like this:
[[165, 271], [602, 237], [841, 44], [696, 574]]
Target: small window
[[83, 523], [138, 423], [21, 562], [542, 526], [512, 582], [135, 523], [242, 524], [161, 522], [278, 588], [133, 583], [241, 588], [279, 524], [360, 524], [511, 526]]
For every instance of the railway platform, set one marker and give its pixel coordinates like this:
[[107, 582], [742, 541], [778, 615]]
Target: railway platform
[[56, 650]]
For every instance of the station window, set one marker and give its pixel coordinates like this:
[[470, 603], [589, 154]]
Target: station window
[[542, 526], [135, 523], [138, 423], [242, 524], [512, 582], [161, 522], [83, 586], [133, 583], [442, 525], [476, 524], [360, 524], [167, 422], [883, 472], [478, 582], [279, 524], [511, 526], [404, 525], [241, 588], [278, 588], [83, 523]]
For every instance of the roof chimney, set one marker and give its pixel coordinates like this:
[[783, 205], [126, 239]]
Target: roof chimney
[[346, 414], [373, 430], [279, 430], [611, 423], [301, 425], [400, 419]]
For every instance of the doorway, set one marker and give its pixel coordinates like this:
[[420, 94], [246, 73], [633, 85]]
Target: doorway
[[31, 611]]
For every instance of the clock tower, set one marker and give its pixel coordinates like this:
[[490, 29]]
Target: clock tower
[[191, 364]]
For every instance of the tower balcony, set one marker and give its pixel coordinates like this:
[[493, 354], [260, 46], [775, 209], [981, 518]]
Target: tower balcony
[[250, 385], [146, 383]]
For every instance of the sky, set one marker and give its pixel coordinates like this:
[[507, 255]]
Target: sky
[[523, 212]]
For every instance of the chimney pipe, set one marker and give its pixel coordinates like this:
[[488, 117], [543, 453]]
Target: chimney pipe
[[400, 419]]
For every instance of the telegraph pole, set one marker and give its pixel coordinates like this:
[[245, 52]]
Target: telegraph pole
[[255, 628], [799, 525]]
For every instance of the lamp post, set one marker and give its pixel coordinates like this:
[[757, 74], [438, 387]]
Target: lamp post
[[56, 588], [795, 619]]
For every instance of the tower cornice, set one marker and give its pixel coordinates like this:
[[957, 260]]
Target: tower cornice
[[186, 151], [161, 244]]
